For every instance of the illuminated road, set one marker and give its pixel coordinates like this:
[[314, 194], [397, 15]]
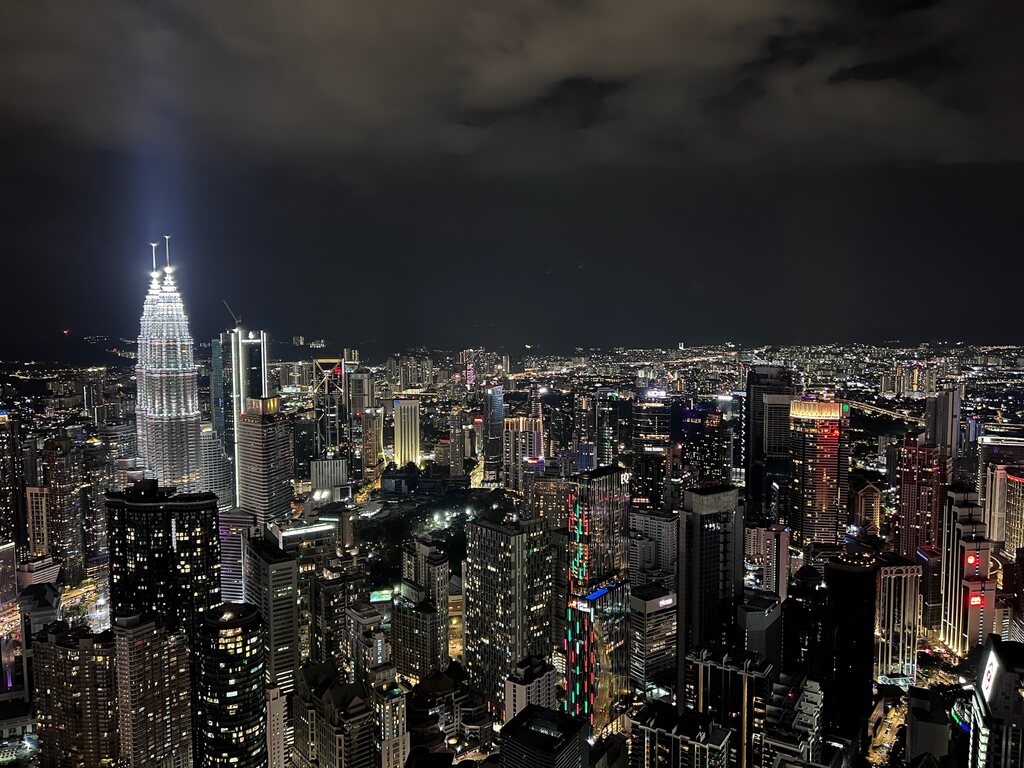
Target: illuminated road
[[884, 411]]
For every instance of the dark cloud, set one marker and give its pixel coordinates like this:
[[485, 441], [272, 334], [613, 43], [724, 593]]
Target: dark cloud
[[526, 86]]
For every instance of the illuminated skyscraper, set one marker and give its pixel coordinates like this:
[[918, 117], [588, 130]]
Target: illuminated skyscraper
[[652, 418], [507, 591], [494, 421], [153, 695], [923, 477], [62, 473], [239, 369], [968, 586], [12, 484], [264, 460], [522, 439], [819, 468], [232, 728], [597, 617], [897, 619], [407, 432], [166, 377]]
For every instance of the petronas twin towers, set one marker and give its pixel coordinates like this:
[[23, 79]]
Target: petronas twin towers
[[167, 400]]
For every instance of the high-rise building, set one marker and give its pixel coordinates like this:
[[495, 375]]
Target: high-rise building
[[232, 728], [239, 370], [942, 422], [523, 440], [1010, 491], [164, 555], [663, 737], [767, 434], [62, 475], [334, 722], [733, 690], [804, 650], [598, 588], [12, 485], [711, 569], [217, 473], [653, 546], [390, 713], [494, 422], [544, 738], [272, 585], [264, 463], [652, 637], [922, 476], [930, 560], [533, 681], [329, 402], [279, 729], [849, 642], [507, 593], [767, 546], [968, 586], [166, 378], [651, 438], [819, 467], [407, 432], [75, 697], [234, 527], [373, 441], [153, 695], [997, 721], [897, 619], [606, 420], [419, 614]]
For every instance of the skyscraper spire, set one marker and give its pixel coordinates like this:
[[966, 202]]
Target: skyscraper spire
[[167, 399]]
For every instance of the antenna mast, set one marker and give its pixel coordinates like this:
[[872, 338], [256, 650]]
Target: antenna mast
[[154, 245], [167, 249]]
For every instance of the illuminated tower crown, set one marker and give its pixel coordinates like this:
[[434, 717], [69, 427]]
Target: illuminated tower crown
[[167, 399]]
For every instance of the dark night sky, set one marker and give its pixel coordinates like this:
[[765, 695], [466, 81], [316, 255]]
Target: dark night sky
[[459, 173]]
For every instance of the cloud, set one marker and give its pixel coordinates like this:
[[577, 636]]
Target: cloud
[[530, 86]]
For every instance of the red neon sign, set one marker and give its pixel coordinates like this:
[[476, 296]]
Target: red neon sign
[[976, 600], [972, 559]]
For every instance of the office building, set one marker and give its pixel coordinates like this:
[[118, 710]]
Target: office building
[[232, 727], [264, 461], [75, 697], [272, 585], [651, 440], [279, 729], [897, 619], [1010, 491], [153, 695], [710, 574], [164, 555], [217, 471], [819, 467], [769, 392], [997, 721], [234, 528], [239, 370], [652, 637], [544, 738], [849, 642], [968, 586], [923, 474], [507, 594], [942, 422], [407, 432], [533, 681], [598, 585], [167, 416], [653, 546], [523, 440], [493, 427], [930, 560]]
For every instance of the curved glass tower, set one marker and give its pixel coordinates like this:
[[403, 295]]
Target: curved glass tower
[[167, 399]]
